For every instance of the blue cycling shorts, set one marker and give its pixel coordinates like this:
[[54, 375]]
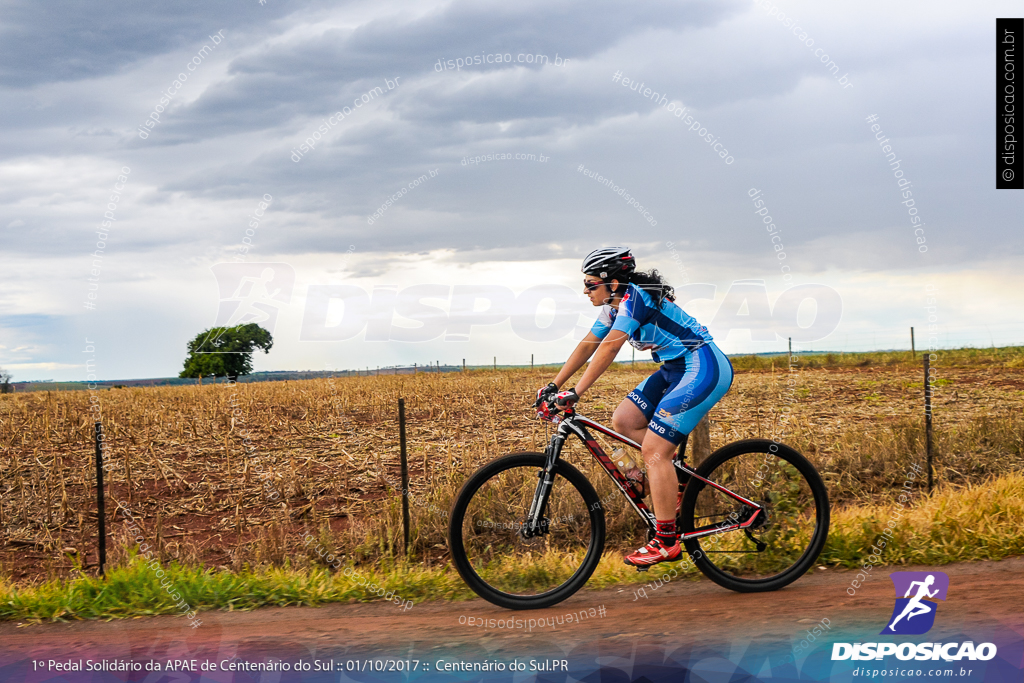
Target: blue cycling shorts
[[676, 397]]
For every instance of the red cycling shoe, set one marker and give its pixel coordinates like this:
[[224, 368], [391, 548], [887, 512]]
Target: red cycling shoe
[[653, 553]]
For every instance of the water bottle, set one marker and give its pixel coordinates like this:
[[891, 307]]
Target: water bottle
[[623, 460]]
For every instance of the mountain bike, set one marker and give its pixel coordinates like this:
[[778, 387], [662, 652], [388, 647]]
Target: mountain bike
[[527, 530]]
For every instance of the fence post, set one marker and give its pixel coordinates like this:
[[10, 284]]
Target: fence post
[[791, 351], [913, 352], [928, 418], [463, 364], [531, 361], [100, 512], [495, 362], [405, 476], [701, 441]]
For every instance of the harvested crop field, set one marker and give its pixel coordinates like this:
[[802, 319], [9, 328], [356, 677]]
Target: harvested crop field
[[322, 455]]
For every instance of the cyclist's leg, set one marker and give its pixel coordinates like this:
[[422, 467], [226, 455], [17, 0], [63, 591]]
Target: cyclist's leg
[[632, 415], [658, 452], [630, 421], [707, 379], [664, 547]]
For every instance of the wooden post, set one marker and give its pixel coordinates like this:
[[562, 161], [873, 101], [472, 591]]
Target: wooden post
[[414, 368], [495, 362], [928, 418], [531, 361], [463, 364], [405, 475], [913, 352], [100, 512], [701, 436], [790, 351]]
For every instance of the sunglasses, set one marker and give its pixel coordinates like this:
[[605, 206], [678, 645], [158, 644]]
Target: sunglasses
[[591, 286]]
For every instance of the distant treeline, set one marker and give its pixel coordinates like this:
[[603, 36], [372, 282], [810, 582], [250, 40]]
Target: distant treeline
[[1007, 356]]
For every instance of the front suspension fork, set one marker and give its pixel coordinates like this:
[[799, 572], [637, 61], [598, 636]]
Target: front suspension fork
[[536, 523]]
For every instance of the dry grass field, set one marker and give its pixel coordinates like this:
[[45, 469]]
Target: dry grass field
[[322, 455]]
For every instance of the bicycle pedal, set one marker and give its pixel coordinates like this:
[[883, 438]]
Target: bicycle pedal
[[642, 569]]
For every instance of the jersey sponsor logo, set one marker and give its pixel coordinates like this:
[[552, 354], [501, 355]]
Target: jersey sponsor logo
[[664, 413], [654, 426], [636, 398]]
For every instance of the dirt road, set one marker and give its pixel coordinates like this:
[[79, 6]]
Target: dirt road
[[983, 603]]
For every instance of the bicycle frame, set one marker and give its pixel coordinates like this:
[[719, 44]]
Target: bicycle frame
[[573, 423]]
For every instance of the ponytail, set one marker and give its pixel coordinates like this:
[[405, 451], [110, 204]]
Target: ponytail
[[654, 284]]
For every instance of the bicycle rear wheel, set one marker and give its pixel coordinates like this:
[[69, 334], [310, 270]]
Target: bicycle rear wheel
[[783, 543], [496, 558]]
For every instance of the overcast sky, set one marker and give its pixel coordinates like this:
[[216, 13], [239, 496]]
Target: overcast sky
[[78, 81]]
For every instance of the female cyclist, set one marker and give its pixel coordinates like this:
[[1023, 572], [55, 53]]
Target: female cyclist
[[663, 409]]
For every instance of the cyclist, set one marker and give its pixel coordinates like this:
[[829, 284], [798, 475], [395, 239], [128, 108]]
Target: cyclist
[[663, 409]]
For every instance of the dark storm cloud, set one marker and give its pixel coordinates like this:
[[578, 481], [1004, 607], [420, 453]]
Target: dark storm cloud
[[321, 74], [42, 42]]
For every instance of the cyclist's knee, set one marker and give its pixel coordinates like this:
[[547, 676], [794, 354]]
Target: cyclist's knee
[[627, 417], [653, 453], [623, 425]]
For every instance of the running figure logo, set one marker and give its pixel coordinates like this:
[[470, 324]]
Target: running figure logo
[[252, 292], [915, 614]]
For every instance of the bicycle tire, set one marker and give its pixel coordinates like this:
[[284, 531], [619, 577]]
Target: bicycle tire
[[464, 566], [699, 555]]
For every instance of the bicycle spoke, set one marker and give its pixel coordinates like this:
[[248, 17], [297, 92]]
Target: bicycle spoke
[[498, 547], [780, 535]]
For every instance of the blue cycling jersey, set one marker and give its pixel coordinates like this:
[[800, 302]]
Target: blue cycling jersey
[[668, 332]]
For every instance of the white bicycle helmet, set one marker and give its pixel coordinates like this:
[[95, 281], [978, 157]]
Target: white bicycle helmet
[[609, 262]]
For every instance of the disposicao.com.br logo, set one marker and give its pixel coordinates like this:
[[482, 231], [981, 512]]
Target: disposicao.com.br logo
[[914, 614], [926, 587]]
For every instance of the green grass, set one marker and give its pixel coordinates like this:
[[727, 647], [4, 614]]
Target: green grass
[[134, 590], [976, 522]]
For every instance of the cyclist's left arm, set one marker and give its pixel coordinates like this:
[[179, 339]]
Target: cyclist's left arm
[[604, 357]]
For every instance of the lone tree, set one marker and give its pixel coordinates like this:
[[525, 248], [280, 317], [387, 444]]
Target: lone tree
[[225, 351], [5, 381]]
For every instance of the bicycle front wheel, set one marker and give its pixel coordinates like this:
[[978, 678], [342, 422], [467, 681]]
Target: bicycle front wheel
[[783, 541], [493, 551]]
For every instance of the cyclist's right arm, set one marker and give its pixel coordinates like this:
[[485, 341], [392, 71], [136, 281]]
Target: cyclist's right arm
[[584, 350]]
